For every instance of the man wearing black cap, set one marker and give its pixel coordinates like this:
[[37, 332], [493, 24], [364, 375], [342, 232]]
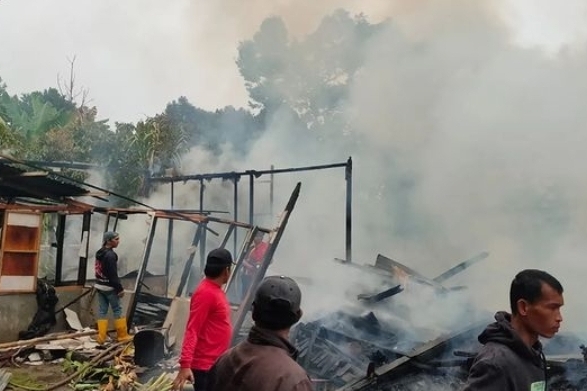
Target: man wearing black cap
[[266, 361], [208, 329], [109, 289]]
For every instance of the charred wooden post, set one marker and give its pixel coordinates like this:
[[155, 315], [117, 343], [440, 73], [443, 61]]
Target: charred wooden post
[[251, 198], [188, 265], [141, 274], [85, 242], [59, 238], [274, 241], [235, 217], [169, 249], [349, 209], [202, 246]]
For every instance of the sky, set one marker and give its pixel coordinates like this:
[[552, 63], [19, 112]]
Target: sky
[[135, 56], [485, 124]]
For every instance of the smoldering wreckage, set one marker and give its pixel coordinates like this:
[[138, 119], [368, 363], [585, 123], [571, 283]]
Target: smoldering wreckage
[[372, 345]]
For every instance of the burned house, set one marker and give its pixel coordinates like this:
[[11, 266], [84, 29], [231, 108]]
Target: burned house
[[372, 346], [376, 345], [47, 226]]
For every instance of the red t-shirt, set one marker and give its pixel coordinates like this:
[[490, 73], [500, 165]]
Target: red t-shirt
[[258, 252], [208, 330], [255, 258]]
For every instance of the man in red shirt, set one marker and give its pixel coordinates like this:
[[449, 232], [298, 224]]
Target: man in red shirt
[[253, 261], [208, 331]]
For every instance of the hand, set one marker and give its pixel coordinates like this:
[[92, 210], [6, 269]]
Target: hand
[[185, 374], [121, 294]]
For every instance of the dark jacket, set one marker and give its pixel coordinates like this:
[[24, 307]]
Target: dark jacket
[[264, 362], [106, 269], [505, 362]]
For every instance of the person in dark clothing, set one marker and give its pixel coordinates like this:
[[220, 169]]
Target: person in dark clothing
[[109, 289], [266, 360], [511, 358]]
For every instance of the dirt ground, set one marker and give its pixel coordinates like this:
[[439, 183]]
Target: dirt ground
[[52, 373], [46, 374]]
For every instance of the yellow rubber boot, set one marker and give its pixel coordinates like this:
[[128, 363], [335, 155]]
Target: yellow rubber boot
[[122, 330], [102, 330]]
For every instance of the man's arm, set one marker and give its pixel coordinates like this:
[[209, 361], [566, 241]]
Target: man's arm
[[485, 376]]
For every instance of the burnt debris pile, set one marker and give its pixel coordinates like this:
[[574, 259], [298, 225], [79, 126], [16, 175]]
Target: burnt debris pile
[[364, 353], [341, 347], [349, 352], [376, 345]]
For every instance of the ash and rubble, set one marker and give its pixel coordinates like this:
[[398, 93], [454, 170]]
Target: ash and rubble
[[375, 345]]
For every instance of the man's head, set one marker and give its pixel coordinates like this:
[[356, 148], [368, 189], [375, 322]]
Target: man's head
[[110, 239], [258, 237], [536, 298], [277, 303], [218, 265]]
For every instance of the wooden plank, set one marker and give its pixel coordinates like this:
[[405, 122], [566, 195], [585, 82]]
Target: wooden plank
[[4, 379], [460, 267], [50, 337], [17, 284]]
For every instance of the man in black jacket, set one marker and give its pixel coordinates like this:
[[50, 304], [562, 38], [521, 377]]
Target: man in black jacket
[[266, 361], [511, 358], [109, 289]]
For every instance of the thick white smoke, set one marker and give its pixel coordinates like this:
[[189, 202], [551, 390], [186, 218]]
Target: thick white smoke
[[469, 137], [491, 137]]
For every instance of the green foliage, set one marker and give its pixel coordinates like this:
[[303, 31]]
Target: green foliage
[[211, 130], [158, 143], [34, 114], [29, 119], [89, 376], [311, 77], [82, 139], [22, 381], [160, 383], [149, 147], [8, 138]]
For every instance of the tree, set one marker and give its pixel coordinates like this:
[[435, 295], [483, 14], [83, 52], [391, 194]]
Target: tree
[[33, 115], [213, 129], [310, 77], [82, 139], [8, 139], [141, 150]]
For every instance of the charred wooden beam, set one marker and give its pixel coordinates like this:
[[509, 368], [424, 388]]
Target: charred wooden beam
[[402, 272], [403, 365], [460, 267], [245, 305]]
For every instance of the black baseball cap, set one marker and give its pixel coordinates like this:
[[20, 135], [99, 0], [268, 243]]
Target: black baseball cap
[[219, 257], [277, 303]]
